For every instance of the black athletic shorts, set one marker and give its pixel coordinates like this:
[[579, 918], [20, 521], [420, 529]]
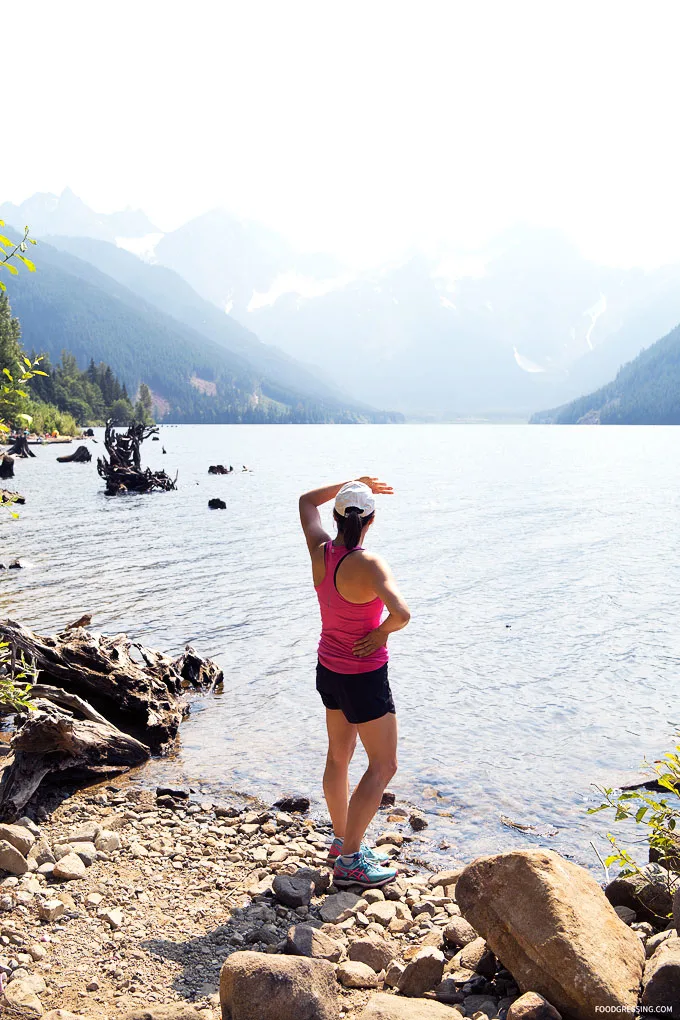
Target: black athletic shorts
[[361, 697]]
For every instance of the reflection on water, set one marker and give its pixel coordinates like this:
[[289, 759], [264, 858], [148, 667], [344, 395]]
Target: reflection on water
[[541, 569]]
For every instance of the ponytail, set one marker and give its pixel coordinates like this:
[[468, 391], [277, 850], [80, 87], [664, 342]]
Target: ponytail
[[351, 525]]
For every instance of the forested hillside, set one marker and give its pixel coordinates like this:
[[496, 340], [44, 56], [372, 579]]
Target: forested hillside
[[171, 294], [646, 391], [70, 305]]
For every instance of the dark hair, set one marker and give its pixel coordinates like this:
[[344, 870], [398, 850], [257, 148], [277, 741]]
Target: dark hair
[[351, 525]]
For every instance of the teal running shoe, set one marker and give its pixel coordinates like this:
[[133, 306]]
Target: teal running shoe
[[362, 872], [373, 854]]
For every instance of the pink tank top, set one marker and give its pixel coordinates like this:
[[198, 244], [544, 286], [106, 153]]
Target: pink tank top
[[344, 623]]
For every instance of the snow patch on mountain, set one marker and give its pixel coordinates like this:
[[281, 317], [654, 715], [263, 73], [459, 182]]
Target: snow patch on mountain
[[526, 364]]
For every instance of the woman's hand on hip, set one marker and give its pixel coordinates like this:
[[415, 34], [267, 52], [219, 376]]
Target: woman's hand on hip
[[377, 487], [374, 640]]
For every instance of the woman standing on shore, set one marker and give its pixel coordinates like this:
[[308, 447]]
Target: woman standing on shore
[[353, 587]]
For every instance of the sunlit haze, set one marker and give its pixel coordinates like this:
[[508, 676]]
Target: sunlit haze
[[361, 129]]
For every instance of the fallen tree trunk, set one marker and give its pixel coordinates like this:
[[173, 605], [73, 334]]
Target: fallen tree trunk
[[80, 456], [20, 448], [133, 687], [52, 740], [130, 699]]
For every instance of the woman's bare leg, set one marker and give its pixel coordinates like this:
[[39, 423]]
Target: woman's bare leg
[[342, 739], [379, 738]]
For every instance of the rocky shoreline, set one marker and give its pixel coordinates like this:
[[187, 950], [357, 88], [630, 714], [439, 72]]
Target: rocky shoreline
[[126, 902]]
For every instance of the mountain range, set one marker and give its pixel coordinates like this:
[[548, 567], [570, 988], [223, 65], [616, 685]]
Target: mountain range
[[200, 366], [646, 391], [527, 322]]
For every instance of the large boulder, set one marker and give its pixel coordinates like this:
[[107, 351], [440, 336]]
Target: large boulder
[[391, 1007], [649, 892], [257, 986], [552, 927], [661, 982]]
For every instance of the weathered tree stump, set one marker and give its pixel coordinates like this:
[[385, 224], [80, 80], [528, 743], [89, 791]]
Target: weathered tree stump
[[6, 466], [123, 470], [133, 687], [130, 698], [20, 448], [80, 456]]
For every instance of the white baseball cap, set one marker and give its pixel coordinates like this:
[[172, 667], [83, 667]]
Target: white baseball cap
[[355, 494]]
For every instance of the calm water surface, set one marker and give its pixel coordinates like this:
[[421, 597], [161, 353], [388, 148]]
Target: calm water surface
[[540, 565]]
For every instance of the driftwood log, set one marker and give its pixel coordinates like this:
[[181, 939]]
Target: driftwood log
[[102, 703], [123, 469], [6, 466], [80, 456], [20, 448], [52, 740]]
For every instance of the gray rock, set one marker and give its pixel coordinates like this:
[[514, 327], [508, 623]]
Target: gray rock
[[113, 917], [459, 932], [423, 973], [11, 859], [373, 951], [85, 833], [293, 890], [69, 868], [646, 892], [382, 1006], [19, 837], [321, 879], [50, 910], [41, 853], [654, 941], [479, 1004], [626, 914], [661, 979], [448, 990], [478, 957], [352, 974], [393, 973], [108, 842], [87, 853], [304, 940], [338, 906], [383, 912], [20, 993], [532, 1006]]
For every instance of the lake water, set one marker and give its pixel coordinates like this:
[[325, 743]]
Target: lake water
[[540, 564]]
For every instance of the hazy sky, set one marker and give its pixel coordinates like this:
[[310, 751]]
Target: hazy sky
[[355, 127]]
